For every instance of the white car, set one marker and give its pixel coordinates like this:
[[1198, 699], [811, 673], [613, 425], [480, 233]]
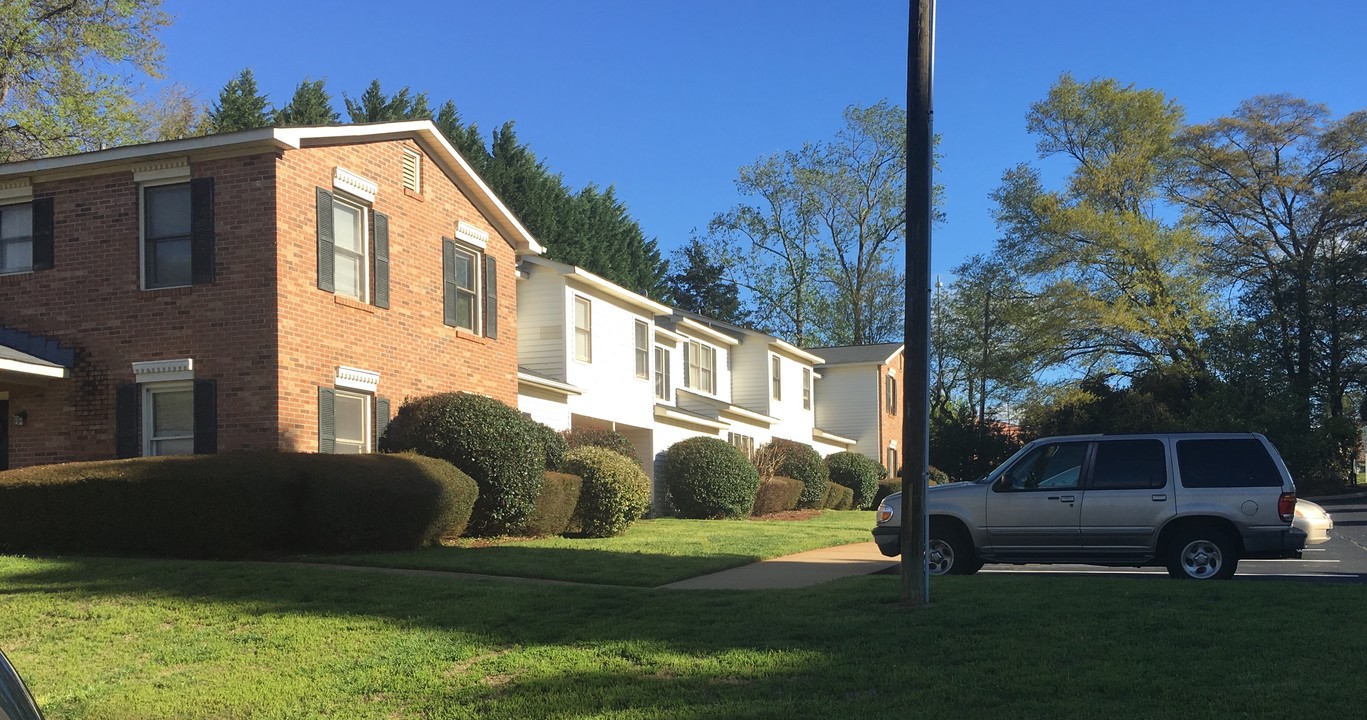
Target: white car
[[1314, 520]]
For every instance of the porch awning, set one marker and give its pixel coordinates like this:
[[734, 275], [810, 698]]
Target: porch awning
[[17, 365]]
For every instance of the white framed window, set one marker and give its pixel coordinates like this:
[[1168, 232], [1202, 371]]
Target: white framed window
[[775, 372], [349, 249], [642, 349], [165, 217], [168, 418], [16, 238], [806, 388], [744, 443], [583, 330], [662, 385], [351, 413], [890, 393], [700, 370], [465, 284]]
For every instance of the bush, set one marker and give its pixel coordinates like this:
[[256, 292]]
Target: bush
[[555, 504], [939, 477], [857, 473], [616, 492], [597, 437], [837, 497], [233, 505], [886, 487], [709, 478], [800, 462], [554, 445], [777, 494], [486, 439]]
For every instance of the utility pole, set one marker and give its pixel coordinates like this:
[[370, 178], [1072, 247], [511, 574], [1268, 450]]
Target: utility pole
[[916, 397]]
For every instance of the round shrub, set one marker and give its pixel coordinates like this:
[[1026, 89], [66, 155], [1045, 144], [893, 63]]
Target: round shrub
[[709, 478], [802, 462], [838, 497], [777, 494], [858, 473], [615, 494], [486, 439], [555, 504], [554, 445], [598, 437]]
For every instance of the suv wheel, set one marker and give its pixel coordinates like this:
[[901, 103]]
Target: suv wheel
[[949, 554], [1202, 554]]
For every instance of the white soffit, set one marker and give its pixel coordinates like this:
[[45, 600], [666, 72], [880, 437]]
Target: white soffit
[[164, 370], [353, 184], [357, 379]]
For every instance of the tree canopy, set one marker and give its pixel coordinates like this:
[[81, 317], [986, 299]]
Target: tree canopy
[[240, 105]]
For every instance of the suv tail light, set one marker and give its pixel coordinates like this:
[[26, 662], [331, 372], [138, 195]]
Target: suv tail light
[[1286, 506]]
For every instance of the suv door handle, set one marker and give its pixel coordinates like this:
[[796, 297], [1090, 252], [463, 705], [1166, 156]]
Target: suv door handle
[[1065, 498], [1159, 497]]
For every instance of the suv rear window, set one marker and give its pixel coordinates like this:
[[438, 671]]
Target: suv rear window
[[1242, 462]]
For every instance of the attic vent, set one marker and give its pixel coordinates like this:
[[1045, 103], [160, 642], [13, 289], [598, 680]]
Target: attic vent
[[412, 171]]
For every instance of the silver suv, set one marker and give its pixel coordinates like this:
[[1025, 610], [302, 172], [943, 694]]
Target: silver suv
[[1194, 502]]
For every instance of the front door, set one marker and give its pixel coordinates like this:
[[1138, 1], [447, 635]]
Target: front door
[[1033, 509]]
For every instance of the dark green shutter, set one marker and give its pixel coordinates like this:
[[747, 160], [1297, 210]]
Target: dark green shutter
[[126, 421], [381, 419], [202, 230], [325, 241], [448, 280], [43, 223], [206, 417], [490, 297], [381, 222], [327, 420]]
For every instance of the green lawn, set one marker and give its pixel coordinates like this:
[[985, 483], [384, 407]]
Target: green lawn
[[651, 553]]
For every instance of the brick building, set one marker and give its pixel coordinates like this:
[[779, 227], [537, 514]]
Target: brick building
[[279, 288]]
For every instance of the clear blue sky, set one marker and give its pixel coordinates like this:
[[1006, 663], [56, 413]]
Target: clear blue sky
[[666, 100]]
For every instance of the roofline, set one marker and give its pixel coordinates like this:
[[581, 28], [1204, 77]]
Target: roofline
[[794, 350], [293, 138], [705, 331], [901, 347], [830, 437], [606, 286], [565, 389]]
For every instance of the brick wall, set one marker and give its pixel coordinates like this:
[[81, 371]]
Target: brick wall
[[890, 425]]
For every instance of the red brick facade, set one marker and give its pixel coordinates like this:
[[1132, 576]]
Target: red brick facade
[[890, 424], [262, 330]]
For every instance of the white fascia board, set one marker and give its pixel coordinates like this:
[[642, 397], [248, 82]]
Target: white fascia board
[[548, 384], [267, 138], [706, 333], [664, 411], [607, 287], [664, 332], [819, 434], [795, 351], [750, 415], [35, 369]]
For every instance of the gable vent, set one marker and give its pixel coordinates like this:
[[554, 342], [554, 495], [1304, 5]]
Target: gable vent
[[412, 171]]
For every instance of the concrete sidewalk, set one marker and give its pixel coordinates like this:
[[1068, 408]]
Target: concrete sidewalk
[[793, 571]]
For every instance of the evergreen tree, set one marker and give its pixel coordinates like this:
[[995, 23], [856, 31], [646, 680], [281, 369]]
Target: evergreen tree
[[465, 138], [311, 105], [240, 106], [375, 106], [700, 285]]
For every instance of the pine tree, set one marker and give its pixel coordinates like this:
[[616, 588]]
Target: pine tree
[[375, 106], [700, 285], [465, 138], [240, 106], [311, 105]]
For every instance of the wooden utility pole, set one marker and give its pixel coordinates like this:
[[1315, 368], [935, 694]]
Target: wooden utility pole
[[916, 397]]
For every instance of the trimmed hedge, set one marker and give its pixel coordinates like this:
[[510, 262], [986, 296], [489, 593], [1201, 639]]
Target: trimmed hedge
[[709, 478], [802, 462], [858, 473], [616, 492], [886, 487], [489, 441], [597, 437], [233, 505], [553, 444], [838, 497], [555, 504], [777, 494]]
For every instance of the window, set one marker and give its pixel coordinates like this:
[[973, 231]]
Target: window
[[583, 330], [807, 388], [891, 394], [168, 419], [1048, 467], [349, 249], [744, 443], [16, 238], [352, 423], [775, 376], [893, 469], [662, 386], [1129, 465], [700, 370], [467, 305], [166, 235], [642, 349], [1237, 462], [464, 279]]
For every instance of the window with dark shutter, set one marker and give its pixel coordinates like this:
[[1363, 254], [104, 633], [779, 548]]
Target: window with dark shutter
[[202, 230], [325, 241], [327, 420], [381, 222], [490, 298], [381, 419], [43, 224], [127, 418], [448, 281], [206, 417]]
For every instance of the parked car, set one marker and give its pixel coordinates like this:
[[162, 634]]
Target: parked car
[[1313, 520], [15, 701], [1194, 502]]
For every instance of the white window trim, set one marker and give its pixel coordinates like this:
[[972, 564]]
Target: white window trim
[[353, 184], [4, 203], [477, 277], [357, 379], [689, 378], [367, 419], [807, 389], [16, 191], [776, 378], [354, 202], [148, 390], [637, 350], [158, 371], [142, 226], [587, 357], [662, 362], [471, 235], [165, 171]]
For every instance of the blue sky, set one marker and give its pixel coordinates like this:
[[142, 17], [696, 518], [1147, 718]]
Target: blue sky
[[666, 100]]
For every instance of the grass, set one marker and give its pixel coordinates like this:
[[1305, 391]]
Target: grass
[[104, 638], [651, 553]]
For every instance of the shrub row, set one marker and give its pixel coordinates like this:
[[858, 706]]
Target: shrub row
[[858, 473], [777, 494], [616, 492], [838, 497], [555, 504], [234, 505]]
